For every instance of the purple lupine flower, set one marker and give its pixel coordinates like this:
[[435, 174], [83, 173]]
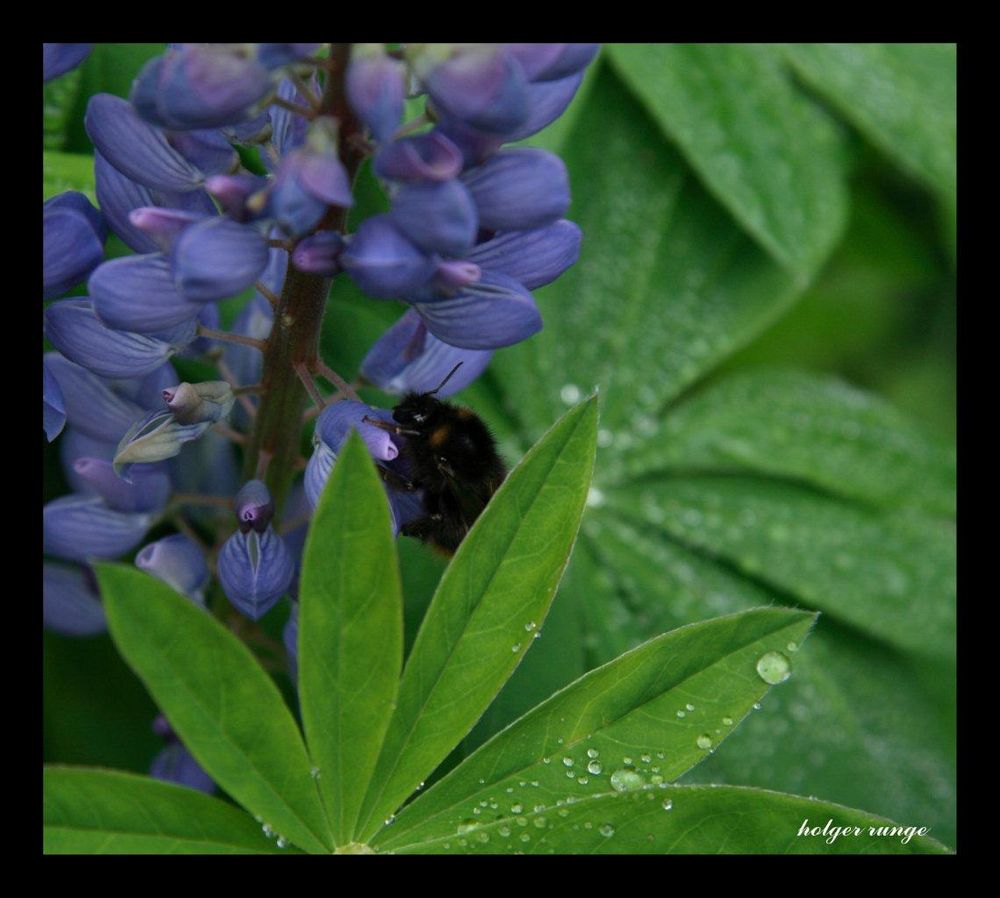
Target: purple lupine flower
[[57, 59], [519, 189], [319, 254], [255, 566], [70, 604], [81, 527], [437, 216], [376, 89], [73, 235], [179, 562], [217, 258], [383, 262], [423, 157], [139, 294]]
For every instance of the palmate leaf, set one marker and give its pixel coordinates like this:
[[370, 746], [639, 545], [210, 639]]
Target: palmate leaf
[[644, 718], [225, 708], [350, 633], [686, 820], [491, 601], [90, 811]]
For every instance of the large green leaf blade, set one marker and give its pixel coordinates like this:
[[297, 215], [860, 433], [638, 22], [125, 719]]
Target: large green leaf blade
[[667, 284], [225, 708], [902, 97], [350, 633], [891, 574], [644, 718], [491, 601], [92, 811], [815, 429], [689, 820], [768, 154]]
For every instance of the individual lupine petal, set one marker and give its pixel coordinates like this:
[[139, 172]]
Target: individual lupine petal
[[154, 437], [288, 129], [383, 262], [518, 189], [57, 59], [481, 84], [437, 216], [456, 274], [71, 248], [318, 470], [422, 157], [408, 359], [53, 406], [475, 146], [233, 191], [207, 150], [319, 254], [76, 445], [164, 226], [70, 604], [138, 294], [290, 637], [79, 202], [404, 507], [209, 400], [254, 507], [119, 195], [274, 55], [80, 527], [77, 332], [179, 562], [147, 489], [137, 149], [534, 258], [175, 764], [217, 258], [294, 209], [550, 62], [255, 570], [376, 89], [202, 86], [547, 100], [337, 420], [496, 311]]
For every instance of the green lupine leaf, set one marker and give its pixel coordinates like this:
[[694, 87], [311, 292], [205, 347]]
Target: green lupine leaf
[[489, 604], [350, 633], [767, 153], [225, 708], [815, 429], [892, 574], [92, 811], [831, 730], [689, 820], [901, 97], [667, 283], [644, 718]]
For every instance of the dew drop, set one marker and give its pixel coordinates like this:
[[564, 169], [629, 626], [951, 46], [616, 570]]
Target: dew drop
[[504, 831], [645, 758], [525, 837], [682, 714], [727, 721], [516, 809], [595, 767], [703, 741], [689, 707], [627, 762], [282, 842], [546, 760], [467, 826], [668, 804], [483, 837], [539, 822], [626, 781], [774, 668], [568, 762], [314, 773], [563, 812], [516, 647], [592, 752], [582, 780], [656, 780], [606, 830], [792, 647], [390, 820]]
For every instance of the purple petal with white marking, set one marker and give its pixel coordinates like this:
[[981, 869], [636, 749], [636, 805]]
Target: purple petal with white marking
[[255, 570], [534, 258], [70, 604], [81, 527], [217, 258], [138, 294], [496, 311], [137, 149], [336, 421], [164, 226], [77, 332]]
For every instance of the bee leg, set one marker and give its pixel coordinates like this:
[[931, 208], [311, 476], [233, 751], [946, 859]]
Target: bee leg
[[422, 528], [390, 428], [396, 481]]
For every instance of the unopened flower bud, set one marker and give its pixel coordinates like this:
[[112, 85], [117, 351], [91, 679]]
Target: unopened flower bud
[[254, 507], [197, 403]]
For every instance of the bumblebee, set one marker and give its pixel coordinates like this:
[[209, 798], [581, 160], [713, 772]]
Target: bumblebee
[[451, 456]]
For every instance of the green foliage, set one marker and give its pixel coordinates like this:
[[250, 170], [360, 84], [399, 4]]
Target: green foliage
[[716, 186]]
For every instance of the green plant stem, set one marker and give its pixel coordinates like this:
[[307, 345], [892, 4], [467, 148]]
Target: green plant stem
[[294, 339]]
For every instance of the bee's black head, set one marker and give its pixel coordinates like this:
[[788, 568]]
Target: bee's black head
[[419, 408]]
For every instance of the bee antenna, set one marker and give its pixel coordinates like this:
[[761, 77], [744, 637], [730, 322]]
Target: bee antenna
[[440, 385]]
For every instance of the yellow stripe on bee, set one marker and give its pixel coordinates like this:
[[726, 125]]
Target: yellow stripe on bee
[[438, 437]]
